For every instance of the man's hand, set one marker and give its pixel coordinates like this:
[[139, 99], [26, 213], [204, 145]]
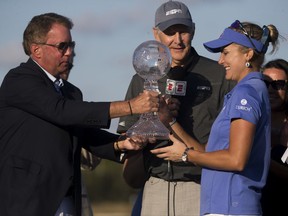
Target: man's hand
[[130, 144], [148, 101]]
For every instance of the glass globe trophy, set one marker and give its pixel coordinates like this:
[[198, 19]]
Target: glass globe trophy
[[152, 61]]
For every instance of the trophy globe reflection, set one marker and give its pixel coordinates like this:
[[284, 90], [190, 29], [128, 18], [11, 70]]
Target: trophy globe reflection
[[152, 61]]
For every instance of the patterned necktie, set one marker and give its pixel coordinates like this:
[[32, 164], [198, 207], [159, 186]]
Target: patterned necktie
[[58, 86]]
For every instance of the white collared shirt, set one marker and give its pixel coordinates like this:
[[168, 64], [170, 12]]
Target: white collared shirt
[[51, 77]]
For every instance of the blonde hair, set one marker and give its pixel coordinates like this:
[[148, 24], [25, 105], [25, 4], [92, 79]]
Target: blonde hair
[[257, 33]]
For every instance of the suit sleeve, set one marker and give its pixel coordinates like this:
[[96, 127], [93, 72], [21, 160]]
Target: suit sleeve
[[27, 88], [100, 143]]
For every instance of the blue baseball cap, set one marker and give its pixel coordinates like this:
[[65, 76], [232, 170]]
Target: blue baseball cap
[[230, 36]]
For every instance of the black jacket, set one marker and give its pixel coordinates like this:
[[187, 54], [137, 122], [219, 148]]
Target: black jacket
[[41, 133]]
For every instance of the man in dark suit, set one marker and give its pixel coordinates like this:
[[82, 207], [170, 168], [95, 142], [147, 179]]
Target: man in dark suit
[[43, 128]]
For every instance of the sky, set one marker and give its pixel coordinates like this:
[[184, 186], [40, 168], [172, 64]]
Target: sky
[[107, 32]]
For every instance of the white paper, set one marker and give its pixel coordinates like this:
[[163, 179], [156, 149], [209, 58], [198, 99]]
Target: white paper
[[284, 157]]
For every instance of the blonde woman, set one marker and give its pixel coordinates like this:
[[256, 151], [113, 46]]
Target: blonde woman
[[236, 159]]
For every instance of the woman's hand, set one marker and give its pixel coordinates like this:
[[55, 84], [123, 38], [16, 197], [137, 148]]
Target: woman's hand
[[168, 109], [173, 152]]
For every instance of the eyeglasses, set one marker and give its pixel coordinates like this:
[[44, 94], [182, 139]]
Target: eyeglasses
[[62, 47], [236, 25], [276, 84]]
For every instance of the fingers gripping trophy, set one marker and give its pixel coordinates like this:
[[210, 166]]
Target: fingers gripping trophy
[[152, 61]]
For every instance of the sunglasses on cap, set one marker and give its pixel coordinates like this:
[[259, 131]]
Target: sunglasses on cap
[[238, 25], [62, 46], [264, 38], [276, 84]]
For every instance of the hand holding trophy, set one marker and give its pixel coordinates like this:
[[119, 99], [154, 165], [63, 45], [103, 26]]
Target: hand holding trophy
[[152, 61]]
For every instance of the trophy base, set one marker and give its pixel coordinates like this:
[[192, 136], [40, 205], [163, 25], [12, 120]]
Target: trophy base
[[150, 129]]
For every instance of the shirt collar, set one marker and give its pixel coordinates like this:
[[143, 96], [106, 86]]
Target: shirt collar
[[51, 77], [252, 75]]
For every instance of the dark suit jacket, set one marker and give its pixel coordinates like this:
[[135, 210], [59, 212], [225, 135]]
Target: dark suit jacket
[[40, 138]]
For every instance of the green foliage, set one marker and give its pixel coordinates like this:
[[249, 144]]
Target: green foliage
[[106, 184]]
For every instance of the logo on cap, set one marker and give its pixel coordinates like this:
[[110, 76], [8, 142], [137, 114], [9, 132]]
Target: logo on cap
[[174, 11]]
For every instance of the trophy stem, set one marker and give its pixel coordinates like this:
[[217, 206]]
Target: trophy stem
[[151, 85]]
